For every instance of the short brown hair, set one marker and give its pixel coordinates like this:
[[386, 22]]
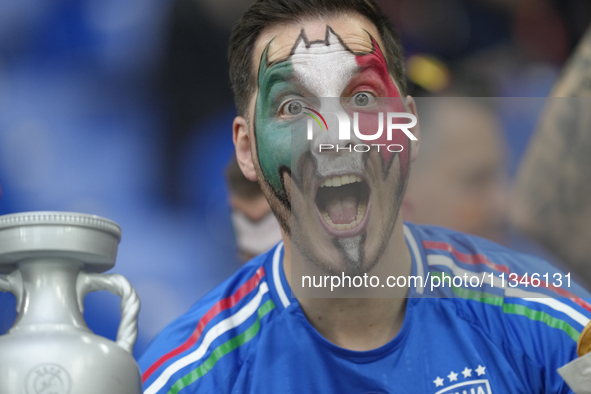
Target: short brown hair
[[265, 13]]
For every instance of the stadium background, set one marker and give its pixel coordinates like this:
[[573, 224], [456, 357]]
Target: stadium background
[[122, 108]]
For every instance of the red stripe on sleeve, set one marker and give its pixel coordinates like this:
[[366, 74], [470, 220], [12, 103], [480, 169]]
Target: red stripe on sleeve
[[478, 258], [466, 258], [220, 306]]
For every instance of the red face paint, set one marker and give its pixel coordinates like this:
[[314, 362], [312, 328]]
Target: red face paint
[[374, 78]]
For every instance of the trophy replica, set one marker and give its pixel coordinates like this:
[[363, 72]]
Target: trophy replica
[[577, 373], [52, 261]]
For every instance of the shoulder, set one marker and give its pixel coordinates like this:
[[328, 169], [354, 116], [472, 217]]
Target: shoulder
[[223, 323], [518, 299], [465, 253]]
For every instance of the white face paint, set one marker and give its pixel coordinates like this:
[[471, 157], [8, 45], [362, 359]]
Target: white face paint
[[332, 224], [323, 68]]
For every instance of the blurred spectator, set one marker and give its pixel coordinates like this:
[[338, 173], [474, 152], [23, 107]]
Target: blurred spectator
[[553, 193], [255, 226], [459, 179]]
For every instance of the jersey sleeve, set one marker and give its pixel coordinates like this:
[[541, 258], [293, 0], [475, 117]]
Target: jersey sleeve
[[545, 318], [548, 333], [163, 364], [201, 352], [533, 312], [538, 326]]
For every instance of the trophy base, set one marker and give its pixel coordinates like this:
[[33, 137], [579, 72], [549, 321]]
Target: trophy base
[[65, 361]]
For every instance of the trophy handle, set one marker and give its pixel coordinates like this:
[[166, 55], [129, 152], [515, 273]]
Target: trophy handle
[[13, 283], [130, 303]]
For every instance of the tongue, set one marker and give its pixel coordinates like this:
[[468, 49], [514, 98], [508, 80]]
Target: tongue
[[342, 210]]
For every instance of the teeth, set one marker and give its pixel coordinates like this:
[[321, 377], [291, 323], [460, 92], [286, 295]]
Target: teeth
[[361, 210], [340, 180]]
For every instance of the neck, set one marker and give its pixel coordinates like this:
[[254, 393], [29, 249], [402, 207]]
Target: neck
[[360, 323]]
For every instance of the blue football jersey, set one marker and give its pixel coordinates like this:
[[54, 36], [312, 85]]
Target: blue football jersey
[[249, 336]]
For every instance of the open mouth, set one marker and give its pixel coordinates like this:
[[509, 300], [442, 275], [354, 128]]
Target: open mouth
[[342, 201]]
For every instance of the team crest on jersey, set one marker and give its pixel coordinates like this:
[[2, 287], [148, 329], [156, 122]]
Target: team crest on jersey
[[478, 386], [468, 381]]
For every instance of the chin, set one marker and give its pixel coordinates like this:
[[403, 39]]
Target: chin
[[343, 215]]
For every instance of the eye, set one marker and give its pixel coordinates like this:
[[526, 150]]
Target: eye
[[362, 99], [294, 108]]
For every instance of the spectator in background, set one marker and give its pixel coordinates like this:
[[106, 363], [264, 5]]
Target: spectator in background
[[553, 193], [255, 226], [459, 180]]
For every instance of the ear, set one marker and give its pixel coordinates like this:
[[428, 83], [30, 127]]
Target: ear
[[242, 143], [416, 131]]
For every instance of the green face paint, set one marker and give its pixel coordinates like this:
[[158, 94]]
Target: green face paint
[[322, 70], [274, 136]]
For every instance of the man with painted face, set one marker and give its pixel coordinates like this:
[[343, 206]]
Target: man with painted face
[[313, 79]]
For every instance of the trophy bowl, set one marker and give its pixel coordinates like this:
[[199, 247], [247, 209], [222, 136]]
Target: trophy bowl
[[85, 238]]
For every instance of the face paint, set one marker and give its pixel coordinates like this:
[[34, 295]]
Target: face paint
[[374, 77], [325, 68], [324, 75], [274, 135]]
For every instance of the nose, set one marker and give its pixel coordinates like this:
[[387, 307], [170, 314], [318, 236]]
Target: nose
[[337, 138]]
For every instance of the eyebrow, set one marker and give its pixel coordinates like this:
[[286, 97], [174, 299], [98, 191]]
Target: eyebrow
[[269, 64], [276, 62], [276, 73], [371, 64]]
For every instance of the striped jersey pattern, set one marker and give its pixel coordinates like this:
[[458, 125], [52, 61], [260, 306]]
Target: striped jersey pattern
[[568, 312], [227, 324], [248, 336]]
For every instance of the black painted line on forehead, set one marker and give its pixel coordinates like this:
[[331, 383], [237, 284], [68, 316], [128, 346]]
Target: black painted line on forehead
[[374, 42], [263, 59], [303, 37]]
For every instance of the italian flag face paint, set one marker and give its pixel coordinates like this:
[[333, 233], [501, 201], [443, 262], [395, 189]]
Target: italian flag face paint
[[273, 135], [373, 75], [324, 70]]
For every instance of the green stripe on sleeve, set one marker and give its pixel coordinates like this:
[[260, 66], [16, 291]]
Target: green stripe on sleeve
[[462, 292], [513, 309], [223, 349], [543, 317]]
